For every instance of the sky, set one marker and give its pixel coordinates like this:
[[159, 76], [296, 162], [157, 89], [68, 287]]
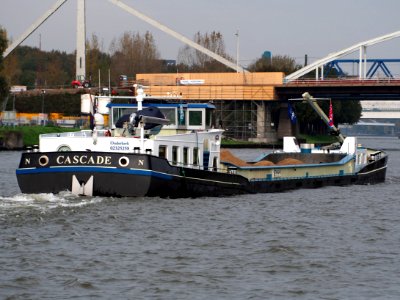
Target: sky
[[283, 27]]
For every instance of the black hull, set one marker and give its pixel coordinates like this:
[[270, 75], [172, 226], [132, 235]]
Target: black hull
[[135, 175], [374, 172]]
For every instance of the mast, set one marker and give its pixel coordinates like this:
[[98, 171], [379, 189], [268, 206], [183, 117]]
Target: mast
[[80, 41]]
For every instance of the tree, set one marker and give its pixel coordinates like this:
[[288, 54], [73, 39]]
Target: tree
[[134, 53], [277, 63], [53, 74], [96, 59], [4, 90], [193, 60], [39, 69], [345, 112], [11, 70]]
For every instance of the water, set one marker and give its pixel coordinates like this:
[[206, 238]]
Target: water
[[329, 243]]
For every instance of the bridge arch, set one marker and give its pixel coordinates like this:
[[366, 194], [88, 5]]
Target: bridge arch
[[362, 57]]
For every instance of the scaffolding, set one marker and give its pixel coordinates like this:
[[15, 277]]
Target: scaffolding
[[238, 118], [243, 101]]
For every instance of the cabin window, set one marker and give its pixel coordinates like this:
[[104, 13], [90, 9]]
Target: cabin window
[[119, 112], [195, 118], [162, 151], [175, 155], [185, 156], [170, 114], [195, 156]]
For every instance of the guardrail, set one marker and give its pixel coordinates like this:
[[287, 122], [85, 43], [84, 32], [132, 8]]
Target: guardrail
[[345, 81]]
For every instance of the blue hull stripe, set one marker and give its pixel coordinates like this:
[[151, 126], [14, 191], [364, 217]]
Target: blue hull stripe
[[94, 170]]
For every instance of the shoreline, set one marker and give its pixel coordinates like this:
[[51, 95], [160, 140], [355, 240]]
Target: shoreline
[[20, 138]]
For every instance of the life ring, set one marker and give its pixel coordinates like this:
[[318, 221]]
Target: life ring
[[43, 160], [123, 161]]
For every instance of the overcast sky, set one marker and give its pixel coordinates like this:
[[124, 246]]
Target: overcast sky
[[284, 27]]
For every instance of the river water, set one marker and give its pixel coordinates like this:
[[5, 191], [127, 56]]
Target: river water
[[328, 243]]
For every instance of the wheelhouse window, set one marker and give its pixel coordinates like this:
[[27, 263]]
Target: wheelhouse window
[[195, 118], [170, 114], [162, 151], [118, 112]]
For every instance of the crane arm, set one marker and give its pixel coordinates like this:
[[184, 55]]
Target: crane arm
[[313, 103]]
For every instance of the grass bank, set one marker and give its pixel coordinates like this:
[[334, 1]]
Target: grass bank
[[233, 143], [30, 134], [317, 139]]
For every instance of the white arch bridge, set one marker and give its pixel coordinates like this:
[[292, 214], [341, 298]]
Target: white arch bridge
[[317, 66], [81, 35]]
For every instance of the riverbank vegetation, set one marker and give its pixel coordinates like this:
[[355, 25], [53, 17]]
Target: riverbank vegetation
[[130, 54], [30, 134]]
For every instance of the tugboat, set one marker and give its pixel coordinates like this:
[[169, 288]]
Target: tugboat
[[169, 149]]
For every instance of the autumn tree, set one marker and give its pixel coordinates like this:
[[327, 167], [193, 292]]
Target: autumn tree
[[53, 72], [193, 60], [39, 69], [4, 90], [276, 63], [96, 60], [134, 53], [344, 111], [12, 70]]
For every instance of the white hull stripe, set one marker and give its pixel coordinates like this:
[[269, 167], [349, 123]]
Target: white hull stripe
[[372, 171]]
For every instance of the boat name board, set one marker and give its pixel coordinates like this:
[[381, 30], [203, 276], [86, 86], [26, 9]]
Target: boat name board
[[83, 160], [123, 161]]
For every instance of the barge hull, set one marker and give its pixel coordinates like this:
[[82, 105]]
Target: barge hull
[[138, 175]]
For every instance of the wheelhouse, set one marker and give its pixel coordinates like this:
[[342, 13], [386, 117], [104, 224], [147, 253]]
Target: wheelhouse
[[181, 116]]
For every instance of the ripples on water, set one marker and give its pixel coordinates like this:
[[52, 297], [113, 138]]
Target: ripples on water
[[329, 243]]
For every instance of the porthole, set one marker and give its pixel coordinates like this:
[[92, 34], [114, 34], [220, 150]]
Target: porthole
[[123, 161], [43, 160], [64, 148]]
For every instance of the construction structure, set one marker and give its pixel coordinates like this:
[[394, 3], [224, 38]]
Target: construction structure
[[246, 105]]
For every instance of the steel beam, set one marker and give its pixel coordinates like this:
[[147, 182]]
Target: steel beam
[[340, 53], [177, 35], [33, 27], [80, 41]]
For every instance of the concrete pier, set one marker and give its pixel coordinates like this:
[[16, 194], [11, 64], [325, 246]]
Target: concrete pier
[[11, 140], [266, 132], [285, 127]]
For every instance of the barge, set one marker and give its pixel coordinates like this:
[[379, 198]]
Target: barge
[[166, 148]]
